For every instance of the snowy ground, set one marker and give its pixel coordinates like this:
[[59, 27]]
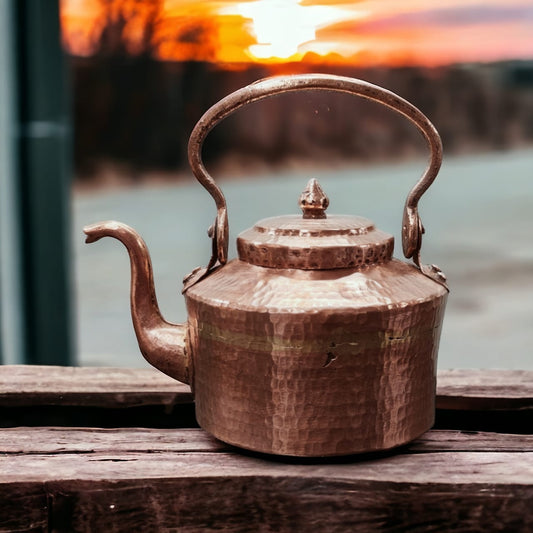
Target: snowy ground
[[479, 229]]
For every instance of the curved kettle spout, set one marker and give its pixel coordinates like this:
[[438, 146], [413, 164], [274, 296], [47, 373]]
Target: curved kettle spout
[[162, 344]]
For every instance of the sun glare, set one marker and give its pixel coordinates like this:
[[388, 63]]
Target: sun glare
[[235, 33], [283, 28]]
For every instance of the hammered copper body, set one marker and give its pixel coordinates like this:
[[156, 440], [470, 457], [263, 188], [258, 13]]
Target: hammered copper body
[[315, 341]]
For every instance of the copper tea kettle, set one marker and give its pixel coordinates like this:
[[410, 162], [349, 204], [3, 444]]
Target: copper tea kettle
[[315, 341]]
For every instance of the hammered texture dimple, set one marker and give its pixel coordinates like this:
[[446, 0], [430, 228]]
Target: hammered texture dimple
[[315, 363]]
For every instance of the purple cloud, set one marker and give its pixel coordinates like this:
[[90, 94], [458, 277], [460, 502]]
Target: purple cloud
[[442, 17]]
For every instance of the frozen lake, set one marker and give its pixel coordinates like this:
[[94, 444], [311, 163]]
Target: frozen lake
[[478, 217]]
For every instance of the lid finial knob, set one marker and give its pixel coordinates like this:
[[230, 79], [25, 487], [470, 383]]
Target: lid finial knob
[[313, 201]]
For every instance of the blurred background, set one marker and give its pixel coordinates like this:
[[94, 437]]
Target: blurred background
[[98, 100]]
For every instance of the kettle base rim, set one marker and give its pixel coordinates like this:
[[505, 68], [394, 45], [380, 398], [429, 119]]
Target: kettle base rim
[[296, 451]]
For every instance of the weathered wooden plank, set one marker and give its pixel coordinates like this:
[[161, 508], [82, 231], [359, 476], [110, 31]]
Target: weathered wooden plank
[[469, 441], [57, 440], [268, 504], [23, 507], [117, 387], [84, 479], [472, 382], [485, 389], [283, 504], [468, 491], [22, 385], [117, 397], [506, 468]]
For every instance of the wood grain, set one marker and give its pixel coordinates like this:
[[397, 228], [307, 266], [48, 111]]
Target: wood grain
[[453, 468], [54, 479], [121, 387], [58, 440], [264, 504], [88, 387], [35, 444], [481, 400], [70, 479], [485, 389]]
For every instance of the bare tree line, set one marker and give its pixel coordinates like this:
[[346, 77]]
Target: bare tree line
[[132, 109]]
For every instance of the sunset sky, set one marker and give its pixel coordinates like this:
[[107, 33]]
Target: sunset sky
[[357, 32]]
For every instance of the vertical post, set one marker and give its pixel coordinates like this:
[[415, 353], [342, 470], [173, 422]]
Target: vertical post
[[12, 346], [43, 182]]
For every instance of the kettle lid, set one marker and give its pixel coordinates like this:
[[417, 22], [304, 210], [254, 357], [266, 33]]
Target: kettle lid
[[314, 241]]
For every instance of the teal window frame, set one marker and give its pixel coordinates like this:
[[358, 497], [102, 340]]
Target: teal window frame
[[35, 170]]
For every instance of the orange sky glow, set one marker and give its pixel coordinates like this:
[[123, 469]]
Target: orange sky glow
[[364, 32]]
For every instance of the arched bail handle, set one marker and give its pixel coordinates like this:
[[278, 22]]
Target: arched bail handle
[[412, 228]]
